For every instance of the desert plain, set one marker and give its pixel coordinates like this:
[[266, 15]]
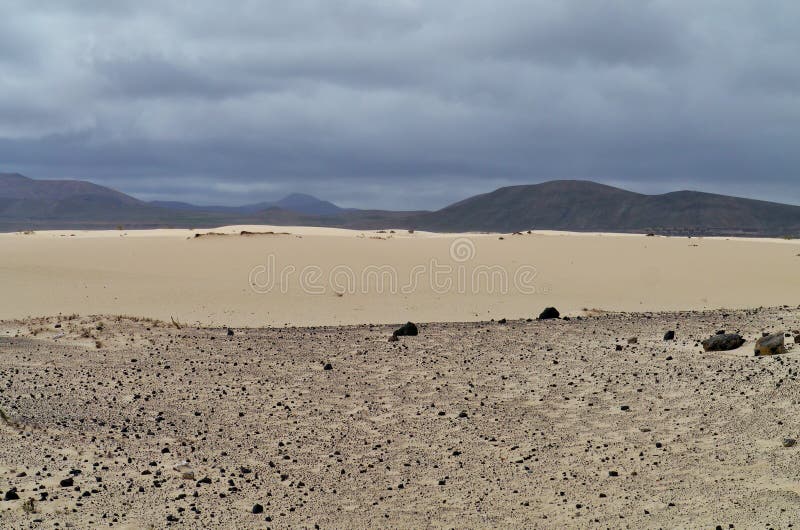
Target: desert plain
[[242, 378]]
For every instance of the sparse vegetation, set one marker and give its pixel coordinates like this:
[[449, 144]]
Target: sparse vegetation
[[28, 506]]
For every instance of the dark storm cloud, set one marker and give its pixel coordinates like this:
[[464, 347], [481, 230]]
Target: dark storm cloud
[[244, 101]]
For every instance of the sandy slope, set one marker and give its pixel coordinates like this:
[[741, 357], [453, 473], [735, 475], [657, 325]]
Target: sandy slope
[[475, 425], [335, 276]]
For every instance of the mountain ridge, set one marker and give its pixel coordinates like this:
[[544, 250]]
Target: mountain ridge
[[573, 205]]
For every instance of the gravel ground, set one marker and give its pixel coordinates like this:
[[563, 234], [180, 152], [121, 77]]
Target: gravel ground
[[132, 423]]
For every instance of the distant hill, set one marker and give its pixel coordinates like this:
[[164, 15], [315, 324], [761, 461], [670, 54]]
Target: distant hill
[[557, 205], [296, 202], [588, 206]]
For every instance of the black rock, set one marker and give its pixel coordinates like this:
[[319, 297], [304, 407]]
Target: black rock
[[669, 335], [11, 495], [502, 321], [257, 508], [723, 342], [409, 329], [230, 332], [67, 482], [618, 347], [328, 366], [549, 313]]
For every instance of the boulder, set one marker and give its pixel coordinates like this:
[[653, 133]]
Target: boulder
[[549, 313], [669, 335], [409, 329], [797, 339], [723, 342], [770, 345]]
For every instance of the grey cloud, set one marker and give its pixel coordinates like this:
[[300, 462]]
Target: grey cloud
[[346, 98]]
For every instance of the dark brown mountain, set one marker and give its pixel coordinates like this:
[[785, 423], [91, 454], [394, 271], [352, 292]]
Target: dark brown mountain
[[558, 205]]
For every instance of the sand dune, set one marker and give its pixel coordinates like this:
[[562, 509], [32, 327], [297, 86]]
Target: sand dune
[[333, 276]]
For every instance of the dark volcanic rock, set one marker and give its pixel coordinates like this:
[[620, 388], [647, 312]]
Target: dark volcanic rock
[[723, 342], [770, 345], [67, 482], [549, 313], [257, 508], [669, 335], [11, 495], [409, 329]]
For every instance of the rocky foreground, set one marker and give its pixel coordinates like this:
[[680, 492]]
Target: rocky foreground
[[591, 422]]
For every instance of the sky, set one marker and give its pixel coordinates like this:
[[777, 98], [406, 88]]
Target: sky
[[401, 104]]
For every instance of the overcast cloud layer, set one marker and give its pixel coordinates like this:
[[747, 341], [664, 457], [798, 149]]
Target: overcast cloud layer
[[401, 104]]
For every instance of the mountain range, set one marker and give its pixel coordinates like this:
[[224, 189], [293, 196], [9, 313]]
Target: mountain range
[[29, 204]]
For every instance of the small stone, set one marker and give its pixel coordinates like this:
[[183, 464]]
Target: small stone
[[618, 347], [67, 482], [613, 474], [723, 342], [328, 366], [230, 332], [770, 345], [257, 508], [11, 495], [633, 340], [186, 471], [550, 313], [409, 329], [789, 442], [669, 335]]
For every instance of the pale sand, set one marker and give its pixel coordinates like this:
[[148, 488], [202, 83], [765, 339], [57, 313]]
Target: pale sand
[[207, 280]]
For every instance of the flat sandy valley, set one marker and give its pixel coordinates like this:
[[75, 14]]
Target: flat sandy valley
[[315, 276], [288, 400]]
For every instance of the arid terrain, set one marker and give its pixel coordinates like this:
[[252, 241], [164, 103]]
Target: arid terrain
[[274, 276], [130, 423]]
